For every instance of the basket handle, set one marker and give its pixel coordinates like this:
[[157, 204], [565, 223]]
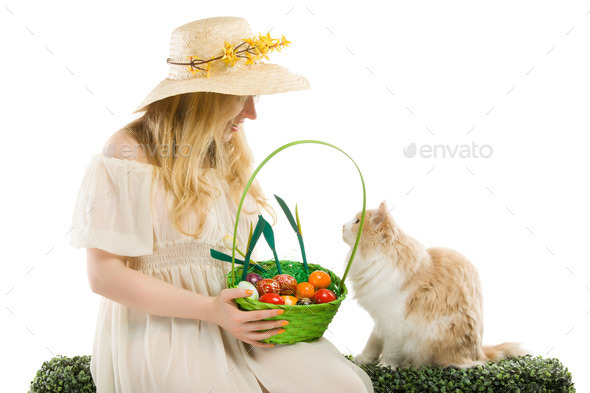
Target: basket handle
[[271, 155]]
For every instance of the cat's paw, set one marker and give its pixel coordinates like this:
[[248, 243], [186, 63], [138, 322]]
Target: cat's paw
[[364, 359], [388, 363]]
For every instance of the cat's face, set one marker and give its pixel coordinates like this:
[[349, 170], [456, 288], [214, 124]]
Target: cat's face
[[377, 221]]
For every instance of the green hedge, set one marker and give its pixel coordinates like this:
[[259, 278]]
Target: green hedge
[[65, 375], [512, 375]]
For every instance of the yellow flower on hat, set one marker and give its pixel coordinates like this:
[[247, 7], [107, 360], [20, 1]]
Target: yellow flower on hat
[[261, 46], [249, 41], [284, 41], [229, 55], [267, 38], [250, 58], [266, 44], [190, 67]]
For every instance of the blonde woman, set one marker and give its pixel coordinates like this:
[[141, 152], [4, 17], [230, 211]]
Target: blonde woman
[[162, 193]]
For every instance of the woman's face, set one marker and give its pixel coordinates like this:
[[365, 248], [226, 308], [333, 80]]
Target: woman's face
[[247, 112]]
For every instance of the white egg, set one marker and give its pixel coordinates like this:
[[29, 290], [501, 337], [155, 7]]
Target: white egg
[[250, 286]]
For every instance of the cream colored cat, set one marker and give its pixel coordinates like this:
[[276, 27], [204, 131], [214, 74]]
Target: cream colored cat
[[426, 303]]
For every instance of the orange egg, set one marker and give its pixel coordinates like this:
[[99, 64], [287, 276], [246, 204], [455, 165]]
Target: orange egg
[[289, 300], [305, 289], [319, 279]]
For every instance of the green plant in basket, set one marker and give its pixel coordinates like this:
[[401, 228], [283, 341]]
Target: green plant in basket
[[296, 227], [308, 320]]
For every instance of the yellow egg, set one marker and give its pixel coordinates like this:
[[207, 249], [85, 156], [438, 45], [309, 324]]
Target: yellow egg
[[289, 300]]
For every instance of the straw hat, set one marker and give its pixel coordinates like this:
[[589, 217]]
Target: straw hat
[[205, 39]]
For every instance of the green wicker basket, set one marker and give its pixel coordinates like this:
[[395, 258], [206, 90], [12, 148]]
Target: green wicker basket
[[307, 323]]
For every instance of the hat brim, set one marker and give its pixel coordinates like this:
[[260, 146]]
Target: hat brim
[[252, 79]]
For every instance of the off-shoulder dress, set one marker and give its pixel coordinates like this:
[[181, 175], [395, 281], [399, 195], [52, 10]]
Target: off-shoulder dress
[[122, 210]]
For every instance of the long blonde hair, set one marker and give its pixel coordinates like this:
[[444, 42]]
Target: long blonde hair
[[182, 136]]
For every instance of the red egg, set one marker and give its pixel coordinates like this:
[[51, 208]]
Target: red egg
[[324, 296], [267, 285], [271, 298], [287, 283]]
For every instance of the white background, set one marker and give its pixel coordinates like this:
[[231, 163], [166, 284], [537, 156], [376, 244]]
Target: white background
[[509, 75]]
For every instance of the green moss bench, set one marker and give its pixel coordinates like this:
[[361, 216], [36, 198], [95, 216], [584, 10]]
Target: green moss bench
[[512, 375]]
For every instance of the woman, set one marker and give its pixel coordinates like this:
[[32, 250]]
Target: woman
[[152, 205]]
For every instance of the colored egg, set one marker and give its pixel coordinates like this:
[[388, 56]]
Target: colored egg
[[287, 283], [304, 301], [253, 278], [248, 285], [304, 289], [268, 285], [324, 296], [289, 300], [271, 298], [319, 279]]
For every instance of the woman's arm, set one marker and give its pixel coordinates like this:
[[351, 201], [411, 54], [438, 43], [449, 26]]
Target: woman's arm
[[109, 276]]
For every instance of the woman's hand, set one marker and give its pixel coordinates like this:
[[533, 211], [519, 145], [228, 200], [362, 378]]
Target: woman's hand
[[243, 325]]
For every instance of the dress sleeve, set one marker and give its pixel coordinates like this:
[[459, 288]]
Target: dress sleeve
[[113, 207]]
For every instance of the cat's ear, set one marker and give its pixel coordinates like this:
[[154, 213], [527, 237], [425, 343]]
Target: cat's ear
[[380, 214]]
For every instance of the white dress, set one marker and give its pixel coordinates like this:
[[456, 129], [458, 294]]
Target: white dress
[[120, 209]]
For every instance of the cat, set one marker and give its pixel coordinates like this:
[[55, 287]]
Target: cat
[[427, 304]]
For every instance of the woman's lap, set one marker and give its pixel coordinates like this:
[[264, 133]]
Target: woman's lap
[[317, 366]]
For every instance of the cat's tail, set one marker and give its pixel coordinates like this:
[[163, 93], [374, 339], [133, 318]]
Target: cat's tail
[[496, 352]]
